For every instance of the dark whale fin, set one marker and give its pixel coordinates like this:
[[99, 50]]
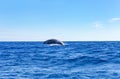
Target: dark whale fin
[[53, 41]]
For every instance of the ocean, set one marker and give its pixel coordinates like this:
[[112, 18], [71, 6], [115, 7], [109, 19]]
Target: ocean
[[74, 60]]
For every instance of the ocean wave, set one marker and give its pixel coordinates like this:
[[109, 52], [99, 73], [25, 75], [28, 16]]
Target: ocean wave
[[75, 60]]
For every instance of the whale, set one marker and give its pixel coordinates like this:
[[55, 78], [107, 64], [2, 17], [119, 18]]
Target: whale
[[53, 42]]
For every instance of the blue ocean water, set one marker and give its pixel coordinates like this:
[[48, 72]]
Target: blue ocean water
[[74, 60]]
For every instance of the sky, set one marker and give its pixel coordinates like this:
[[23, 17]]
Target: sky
[[67, 20]]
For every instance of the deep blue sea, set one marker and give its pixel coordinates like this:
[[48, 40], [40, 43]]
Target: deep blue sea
[[74, 60]]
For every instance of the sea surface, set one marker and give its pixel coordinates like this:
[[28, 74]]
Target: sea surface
[[74, 60]]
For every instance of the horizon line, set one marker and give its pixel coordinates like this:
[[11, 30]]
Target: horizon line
[[62, 40]]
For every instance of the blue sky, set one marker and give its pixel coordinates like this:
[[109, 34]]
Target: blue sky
[[78, 20]]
